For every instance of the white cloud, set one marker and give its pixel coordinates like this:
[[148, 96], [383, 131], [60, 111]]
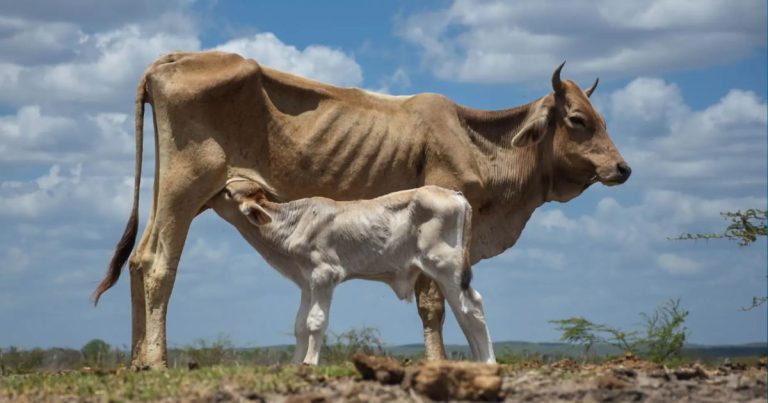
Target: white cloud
[[676, 264], [93, 15], [647, 103], [34, 42], [721, 147], [209, 251], [32, 135], [65, 194], [318, 62], [501, 41], [29, 128], [106, 69], [398, 80], [639, 227], [535, 258]]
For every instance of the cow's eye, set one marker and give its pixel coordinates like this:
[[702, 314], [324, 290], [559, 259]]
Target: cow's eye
[[577, 121]]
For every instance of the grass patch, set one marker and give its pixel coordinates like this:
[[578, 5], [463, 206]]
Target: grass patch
[[172, 383]]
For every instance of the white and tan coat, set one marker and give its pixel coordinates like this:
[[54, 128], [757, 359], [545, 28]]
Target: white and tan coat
[[319, 243]]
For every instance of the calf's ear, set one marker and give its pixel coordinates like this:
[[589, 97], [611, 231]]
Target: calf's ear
[[533, 128], [255, 213]]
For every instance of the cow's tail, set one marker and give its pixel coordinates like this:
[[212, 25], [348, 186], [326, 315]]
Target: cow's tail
[[124, 247]]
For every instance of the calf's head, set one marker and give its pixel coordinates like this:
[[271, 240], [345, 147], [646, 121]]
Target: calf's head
[[250, 199], [576, 140]]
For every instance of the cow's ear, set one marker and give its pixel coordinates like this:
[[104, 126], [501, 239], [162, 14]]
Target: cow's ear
[[255, 213], [533, 128]]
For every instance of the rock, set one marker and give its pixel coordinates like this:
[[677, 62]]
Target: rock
[[729, 366], [385, 370], [220, 396], [694, 372], [456, 380], [624, 372], [610, 381], [310, 397], [567, 365]]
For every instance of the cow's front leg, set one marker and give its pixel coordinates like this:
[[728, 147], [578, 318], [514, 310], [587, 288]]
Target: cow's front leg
[[431, 307]]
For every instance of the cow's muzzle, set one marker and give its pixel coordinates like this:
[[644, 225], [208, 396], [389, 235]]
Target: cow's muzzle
[[620, 174]]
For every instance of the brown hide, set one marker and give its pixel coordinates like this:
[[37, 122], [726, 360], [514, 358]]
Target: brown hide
[[218, 116]]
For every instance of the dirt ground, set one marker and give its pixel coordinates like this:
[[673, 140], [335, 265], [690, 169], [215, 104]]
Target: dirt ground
[[622, 380], [372, 379]]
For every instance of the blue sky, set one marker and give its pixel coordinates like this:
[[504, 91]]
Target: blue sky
[[683, 89]]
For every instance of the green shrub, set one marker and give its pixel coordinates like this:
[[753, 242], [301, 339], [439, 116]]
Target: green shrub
[[663, 335]]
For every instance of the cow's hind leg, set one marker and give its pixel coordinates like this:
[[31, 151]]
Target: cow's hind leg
[[158, 284], [177, 203], [431, 305], [139, 259]]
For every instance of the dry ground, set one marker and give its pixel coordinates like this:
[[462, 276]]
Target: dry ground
[[620, 380]]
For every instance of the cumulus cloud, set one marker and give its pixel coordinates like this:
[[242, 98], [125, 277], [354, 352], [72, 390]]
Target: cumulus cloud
[[501, 41], [317, 62], [676, 264], [107, 69], [92, 14], [66, 194], [30, 42], [535, 257], [721, 147], [398, 80]]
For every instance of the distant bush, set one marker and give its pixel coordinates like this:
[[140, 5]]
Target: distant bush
[[16, 361], [662, 338], [366, 340]]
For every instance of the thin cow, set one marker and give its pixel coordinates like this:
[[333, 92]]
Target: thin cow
[[319, 243], [219, 116]]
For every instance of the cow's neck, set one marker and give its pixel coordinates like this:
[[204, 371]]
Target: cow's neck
[[516, 180], [287, 218]]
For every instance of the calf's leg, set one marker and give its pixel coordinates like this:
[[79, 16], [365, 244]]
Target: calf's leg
[[467, 306], [322, 284], [300, 328]]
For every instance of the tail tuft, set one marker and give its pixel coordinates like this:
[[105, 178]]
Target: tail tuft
[[466, 277]]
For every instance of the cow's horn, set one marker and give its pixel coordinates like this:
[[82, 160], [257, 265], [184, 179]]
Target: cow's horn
[[591, 89], [557, 85]]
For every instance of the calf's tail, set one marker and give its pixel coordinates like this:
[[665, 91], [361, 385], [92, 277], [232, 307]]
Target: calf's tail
[[466, 272], [127, 241]]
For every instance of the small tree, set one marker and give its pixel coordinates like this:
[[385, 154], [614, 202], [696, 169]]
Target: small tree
[[95, 352], [579, 331], [664, 333], [745, 228], [366, 340]]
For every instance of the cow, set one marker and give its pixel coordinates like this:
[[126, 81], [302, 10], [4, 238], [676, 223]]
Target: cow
[[319, 243], [218, 116]]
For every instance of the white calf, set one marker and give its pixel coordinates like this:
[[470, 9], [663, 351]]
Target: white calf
[[318, 243]]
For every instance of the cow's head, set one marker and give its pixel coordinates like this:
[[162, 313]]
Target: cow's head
[[582, 153], [250, 199]]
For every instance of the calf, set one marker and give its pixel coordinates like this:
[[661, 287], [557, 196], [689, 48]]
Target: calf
[[319, 243]]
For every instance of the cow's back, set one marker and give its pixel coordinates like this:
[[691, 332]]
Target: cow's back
[[303, 138]]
